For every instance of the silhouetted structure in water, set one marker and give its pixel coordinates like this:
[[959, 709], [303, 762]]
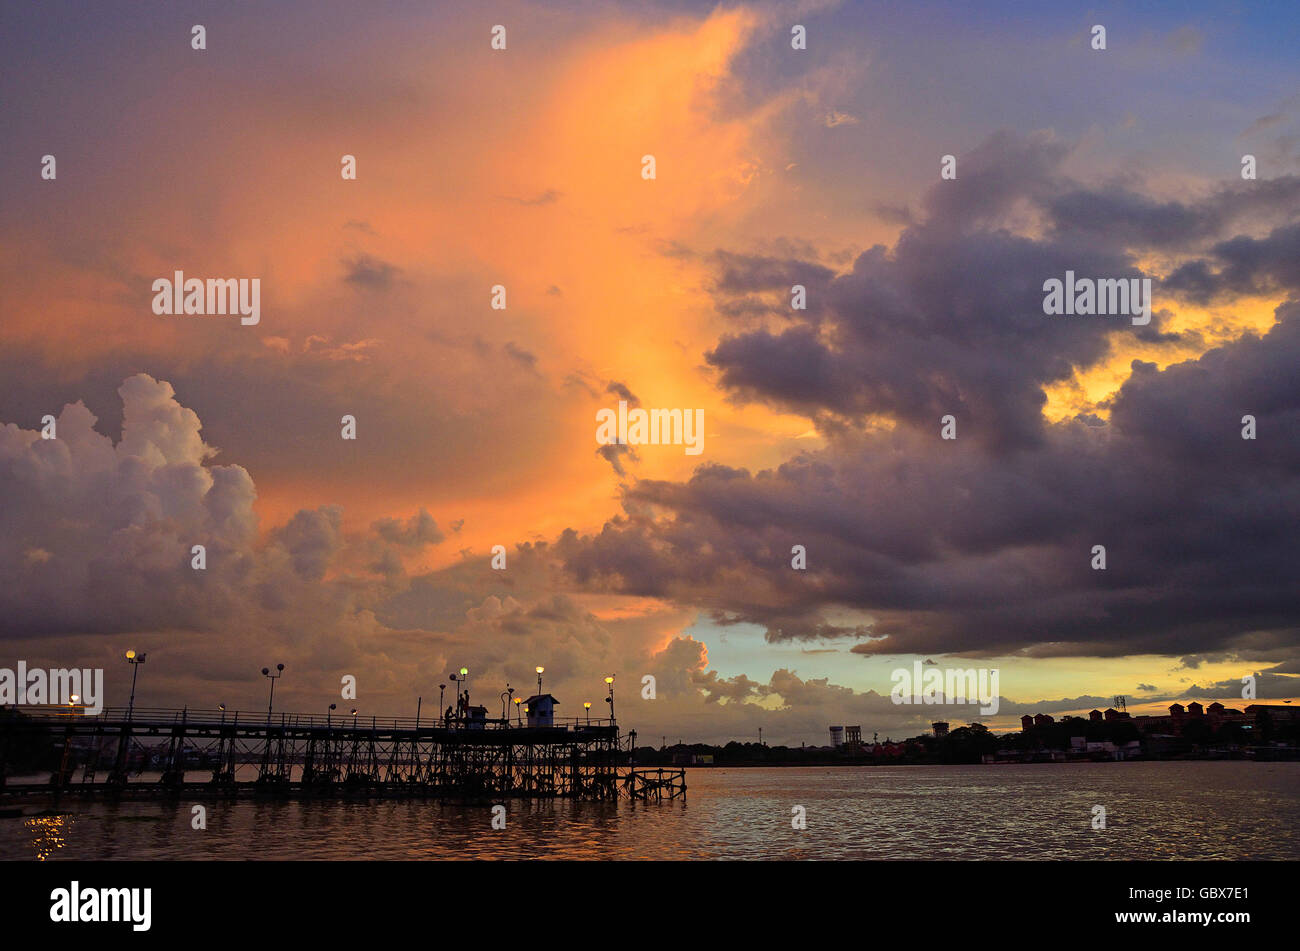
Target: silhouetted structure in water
[[467, 757]]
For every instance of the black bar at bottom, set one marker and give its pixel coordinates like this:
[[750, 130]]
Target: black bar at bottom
[[487, 902]]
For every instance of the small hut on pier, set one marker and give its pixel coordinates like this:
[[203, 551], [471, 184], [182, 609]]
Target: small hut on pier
[[541, 710]]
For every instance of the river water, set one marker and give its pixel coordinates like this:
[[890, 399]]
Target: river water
[[1170, 810]]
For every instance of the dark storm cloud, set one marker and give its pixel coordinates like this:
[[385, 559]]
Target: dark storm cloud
[[416, 532], [1182, 412], [944, 324], [613, 453], [370, 273], [983, 544], [1270, 684], [949, 547], [1242, 266], [1135, 220], [525, 358], [622, 392], [948, 321], [741, 275], [955, 550]]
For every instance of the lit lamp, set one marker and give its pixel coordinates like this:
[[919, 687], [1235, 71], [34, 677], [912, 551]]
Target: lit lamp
[[518, 712], [609, 682], [587, 706], [539, 680], [72, 704]]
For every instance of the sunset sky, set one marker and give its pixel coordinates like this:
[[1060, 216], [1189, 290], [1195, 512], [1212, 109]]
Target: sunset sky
[[522, 167]]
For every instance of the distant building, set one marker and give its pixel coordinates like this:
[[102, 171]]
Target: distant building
[[940, 728], [1113, 714], [1042, 719], [1105, 749], [692, 759], [1277, 711], [853, 736], [837, 736], [1216, 715], [1094, 715], [1026, 723]]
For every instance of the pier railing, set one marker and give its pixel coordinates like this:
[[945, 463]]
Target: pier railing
[[146, 717]]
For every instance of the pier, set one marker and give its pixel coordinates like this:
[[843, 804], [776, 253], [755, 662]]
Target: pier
[[655, 785], [468, 758]]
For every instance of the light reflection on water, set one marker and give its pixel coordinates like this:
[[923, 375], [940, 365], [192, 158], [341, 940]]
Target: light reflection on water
[[1222, 810]]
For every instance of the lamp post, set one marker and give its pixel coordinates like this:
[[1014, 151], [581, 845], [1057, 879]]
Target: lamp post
[[463, 681], [273, 677], [519, 717], [587, 706], [609, 682], [135, 660], [506, 696], [329, 713], [441, 715], [464, 678], [222, 708], [540, 671]]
